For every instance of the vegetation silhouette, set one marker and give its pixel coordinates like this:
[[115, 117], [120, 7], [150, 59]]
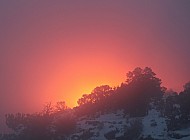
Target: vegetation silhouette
[[133, 96]]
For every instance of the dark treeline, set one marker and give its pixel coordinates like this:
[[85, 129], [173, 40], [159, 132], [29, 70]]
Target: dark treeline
[[133, 96]]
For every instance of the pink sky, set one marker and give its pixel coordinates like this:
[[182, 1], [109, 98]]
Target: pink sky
[[59, 50]]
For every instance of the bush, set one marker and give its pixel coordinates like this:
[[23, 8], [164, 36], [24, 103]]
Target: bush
[[134, 131]]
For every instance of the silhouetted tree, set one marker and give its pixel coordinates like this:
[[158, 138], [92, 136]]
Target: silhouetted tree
[[96, 95], [172, 110], [141, 85], [64, 124], [48, 109], [187, 87], [96, 101], [133, 96], [17, 121], [61, 106], [46, 125], [184, 97], [29, 127], [146, 81]]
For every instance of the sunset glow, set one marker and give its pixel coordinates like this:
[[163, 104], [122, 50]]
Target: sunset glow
[[56, 51]]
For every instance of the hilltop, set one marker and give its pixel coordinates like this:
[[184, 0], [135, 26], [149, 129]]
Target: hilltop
[[138, 109]]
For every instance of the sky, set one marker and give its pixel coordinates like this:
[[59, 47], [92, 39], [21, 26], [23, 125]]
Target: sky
[[57, 50]]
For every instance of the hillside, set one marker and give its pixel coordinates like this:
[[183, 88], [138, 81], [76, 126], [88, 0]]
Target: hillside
[[118, 126], [139, 109]]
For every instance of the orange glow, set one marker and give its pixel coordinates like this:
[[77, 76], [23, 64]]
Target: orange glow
[[82, 75], [59, 51]]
